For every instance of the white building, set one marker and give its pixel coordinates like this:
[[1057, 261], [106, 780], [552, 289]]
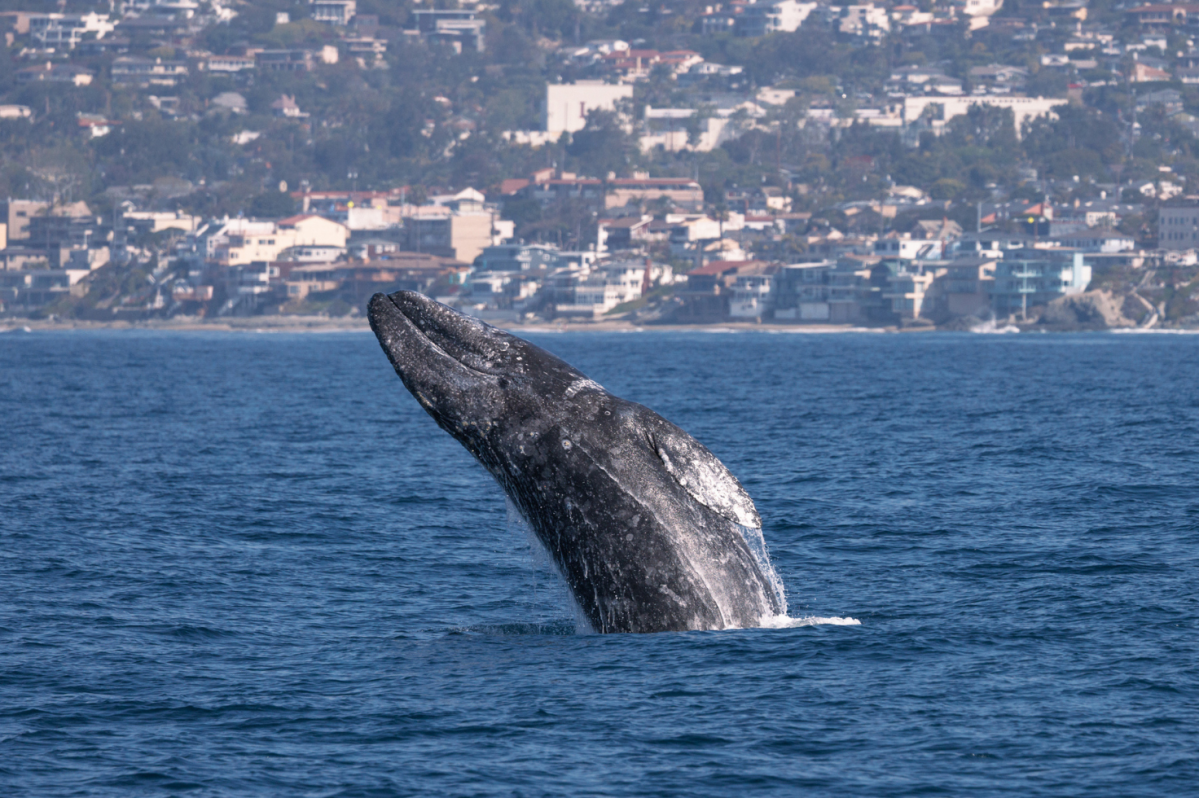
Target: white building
[[567, 104], [751, 296], [1024, 108], [907, 248], [860, 21], [240, 241], [1104, 240], [596, 290], [335, 12], [765, 17], [65, 31]]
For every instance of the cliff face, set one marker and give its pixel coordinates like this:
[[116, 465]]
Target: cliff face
[[1092, 310]]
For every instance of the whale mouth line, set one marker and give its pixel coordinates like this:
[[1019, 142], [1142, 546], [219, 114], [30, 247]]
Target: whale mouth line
[[436, 347]]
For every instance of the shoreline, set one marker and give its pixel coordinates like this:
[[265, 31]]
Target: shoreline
[[320, 324], [296, 324]]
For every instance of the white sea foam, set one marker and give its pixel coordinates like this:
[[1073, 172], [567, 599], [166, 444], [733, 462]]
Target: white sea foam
[[1151, 331], [991, 327], [785, 622]]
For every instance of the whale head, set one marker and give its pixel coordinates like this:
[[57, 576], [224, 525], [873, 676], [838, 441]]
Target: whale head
[[474, 380]]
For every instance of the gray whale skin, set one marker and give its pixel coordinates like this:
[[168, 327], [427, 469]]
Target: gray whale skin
[[640, 519]]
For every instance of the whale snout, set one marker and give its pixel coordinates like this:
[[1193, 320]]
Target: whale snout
[[468, 341]]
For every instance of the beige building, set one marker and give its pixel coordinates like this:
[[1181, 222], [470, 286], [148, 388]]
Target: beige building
[[682, 191], [157, 221], [461, 236], [15, 214]]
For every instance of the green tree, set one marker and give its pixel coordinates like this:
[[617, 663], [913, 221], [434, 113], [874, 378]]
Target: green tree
[[272, 205]]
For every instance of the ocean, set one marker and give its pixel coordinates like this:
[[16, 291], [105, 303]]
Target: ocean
[[250, 564]]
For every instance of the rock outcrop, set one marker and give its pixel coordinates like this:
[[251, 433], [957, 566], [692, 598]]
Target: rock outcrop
[[1092, 310]]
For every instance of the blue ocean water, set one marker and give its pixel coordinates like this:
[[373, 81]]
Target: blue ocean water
[[238, 564]]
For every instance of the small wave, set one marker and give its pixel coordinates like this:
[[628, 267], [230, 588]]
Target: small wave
[[1151, 331], [787, 622], [553, 628], [990, 327]]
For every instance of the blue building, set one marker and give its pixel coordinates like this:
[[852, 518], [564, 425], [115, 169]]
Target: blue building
[[1028, 277]]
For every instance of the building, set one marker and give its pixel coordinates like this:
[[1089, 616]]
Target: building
[[751, 296], [908, 284], [1163, 17], [1097, 240], [286, 60], [547, 189], [16, 112], [461, 236], [58, 32], [16, 213], [1177, 227], [593, 291], [37, 287], [711, 288], [867, 22], [682, 192], [55, 73], [516, 257], [146, 222], [907, 248], [848, 290], [1024, 108], [286, 107], [766, 17], [460, 28], [235, 242], [628, 232], [1029, 277], [229, 64], [133, 71], [335, 12], [964, 288], [567, 104]]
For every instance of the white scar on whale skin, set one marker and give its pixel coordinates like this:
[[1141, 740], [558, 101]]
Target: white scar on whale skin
[[582, 385]]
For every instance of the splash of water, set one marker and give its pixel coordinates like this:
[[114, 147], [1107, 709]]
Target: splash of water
[[757, 547], [784, 622], [548, 582], [992, 327]]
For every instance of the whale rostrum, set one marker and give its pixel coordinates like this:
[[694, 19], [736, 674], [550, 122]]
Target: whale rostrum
[[647, 527]]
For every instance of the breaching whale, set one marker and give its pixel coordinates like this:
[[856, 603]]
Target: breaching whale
[[642, 521]]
